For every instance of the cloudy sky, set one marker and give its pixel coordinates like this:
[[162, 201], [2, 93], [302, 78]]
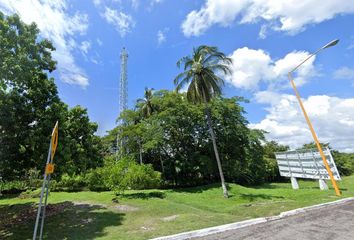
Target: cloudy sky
[[265, 38]]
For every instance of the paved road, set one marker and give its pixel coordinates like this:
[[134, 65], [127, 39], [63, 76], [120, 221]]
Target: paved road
[[331, 222]]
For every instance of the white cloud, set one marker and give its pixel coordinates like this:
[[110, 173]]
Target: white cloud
[[161, 35], [250, 67], [135, 4], [85, 47], [99, 42], [57, 25], [332, 117], [153, 3], [287, 16], [97, 2], [122, 21], [344, 73]]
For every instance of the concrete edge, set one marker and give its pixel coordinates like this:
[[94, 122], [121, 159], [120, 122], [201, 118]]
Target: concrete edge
[[246, 223]]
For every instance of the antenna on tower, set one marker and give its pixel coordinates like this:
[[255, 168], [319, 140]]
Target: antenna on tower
[[123, 82]]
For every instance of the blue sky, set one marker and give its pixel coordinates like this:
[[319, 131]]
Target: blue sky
[[264, 38]]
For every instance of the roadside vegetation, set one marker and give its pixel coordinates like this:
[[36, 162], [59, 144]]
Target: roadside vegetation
[[144, 214], [158, 172]]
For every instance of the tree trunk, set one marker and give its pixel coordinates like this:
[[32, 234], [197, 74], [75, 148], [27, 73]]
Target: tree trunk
[[162, 166], [140, 153], [212, 135]]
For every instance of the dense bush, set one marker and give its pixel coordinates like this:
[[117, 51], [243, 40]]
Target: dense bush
[[30, 181], [272, 170], [96, 179], [344, 162], [13, 187], [127, 174], [69, 183]]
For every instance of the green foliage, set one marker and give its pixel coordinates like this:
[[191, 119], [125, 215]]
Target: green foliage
[[127, 174], [12, 187], [271, 166], [69, 183], [344, 162], [200, 73], [145, 105], [202, 76], [312, 145], [30, 106], [96, 179], [175, 140], [26, 96]]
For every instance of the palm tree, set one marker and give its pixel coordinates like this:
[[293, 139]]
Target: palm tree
[[145, 104], [200, 72], [146, 110]]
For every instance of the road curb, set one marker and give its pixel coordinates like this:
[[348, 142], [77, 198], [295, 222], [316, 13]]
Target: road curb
[[246, 223]]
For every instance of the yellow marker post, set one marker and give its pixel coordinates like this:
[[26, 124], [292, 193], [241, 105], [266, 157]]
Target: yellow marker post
[[54, 141], [49, 169]]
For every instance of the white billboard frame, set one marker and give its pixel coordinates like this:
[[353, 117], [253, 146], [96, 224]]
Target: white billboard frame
[[306, 163]]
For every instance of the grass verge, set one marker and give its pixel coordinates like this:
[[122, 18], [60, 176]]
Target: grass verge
[[153, 213]]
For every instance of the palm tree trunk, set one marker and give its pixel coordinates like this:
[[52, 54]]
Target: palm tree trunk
[[212, 135]]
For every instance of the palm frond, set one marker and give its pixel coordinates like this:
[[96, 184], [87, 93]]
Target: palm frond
[[179, 77], [183, 60], [220, 67]]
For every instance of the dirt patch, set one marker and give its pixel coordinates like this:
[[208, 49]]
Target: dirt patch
[[147, 228], [119, 207], [169, 218], [88, 204], [27, 213], [125, 208]]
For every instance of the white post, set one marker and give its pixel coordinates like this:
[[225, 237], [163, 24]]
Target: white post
[[323, 184], [294, 183]]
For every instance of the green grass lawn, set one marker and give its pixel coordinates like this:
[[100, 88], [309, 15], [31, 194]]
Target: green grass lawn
[[153, 213]]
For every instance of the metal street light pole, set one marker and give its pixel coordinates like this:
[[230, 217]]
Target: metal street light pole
[[334, 183]]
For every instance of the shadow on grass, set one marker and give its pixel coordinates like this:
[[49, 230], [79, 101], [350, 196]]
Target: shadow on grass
[[198, 189], [144, 195], [272, 186], [65, 220], [330, 188], [9, 196], [254, 197]]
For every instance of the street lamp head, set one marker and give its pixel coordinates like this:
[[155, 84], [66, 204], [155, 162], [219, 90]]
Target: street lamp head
[[330, 44]]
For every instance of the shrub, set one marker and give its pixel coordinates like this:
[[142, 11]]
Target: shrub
[[344, 162], [13, 187], [29, 193], [271, 170], [127, 174], [95, 179], [69, 183]]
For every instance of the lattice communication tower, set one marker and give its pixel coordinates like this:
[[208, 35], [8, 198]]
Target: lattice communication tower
[[123, 82]]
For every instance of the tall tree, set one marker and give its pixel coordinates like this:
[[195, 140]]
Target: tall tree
[[146, 109], [201, 74], [26, 94], [145, 104], [30, 106]]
